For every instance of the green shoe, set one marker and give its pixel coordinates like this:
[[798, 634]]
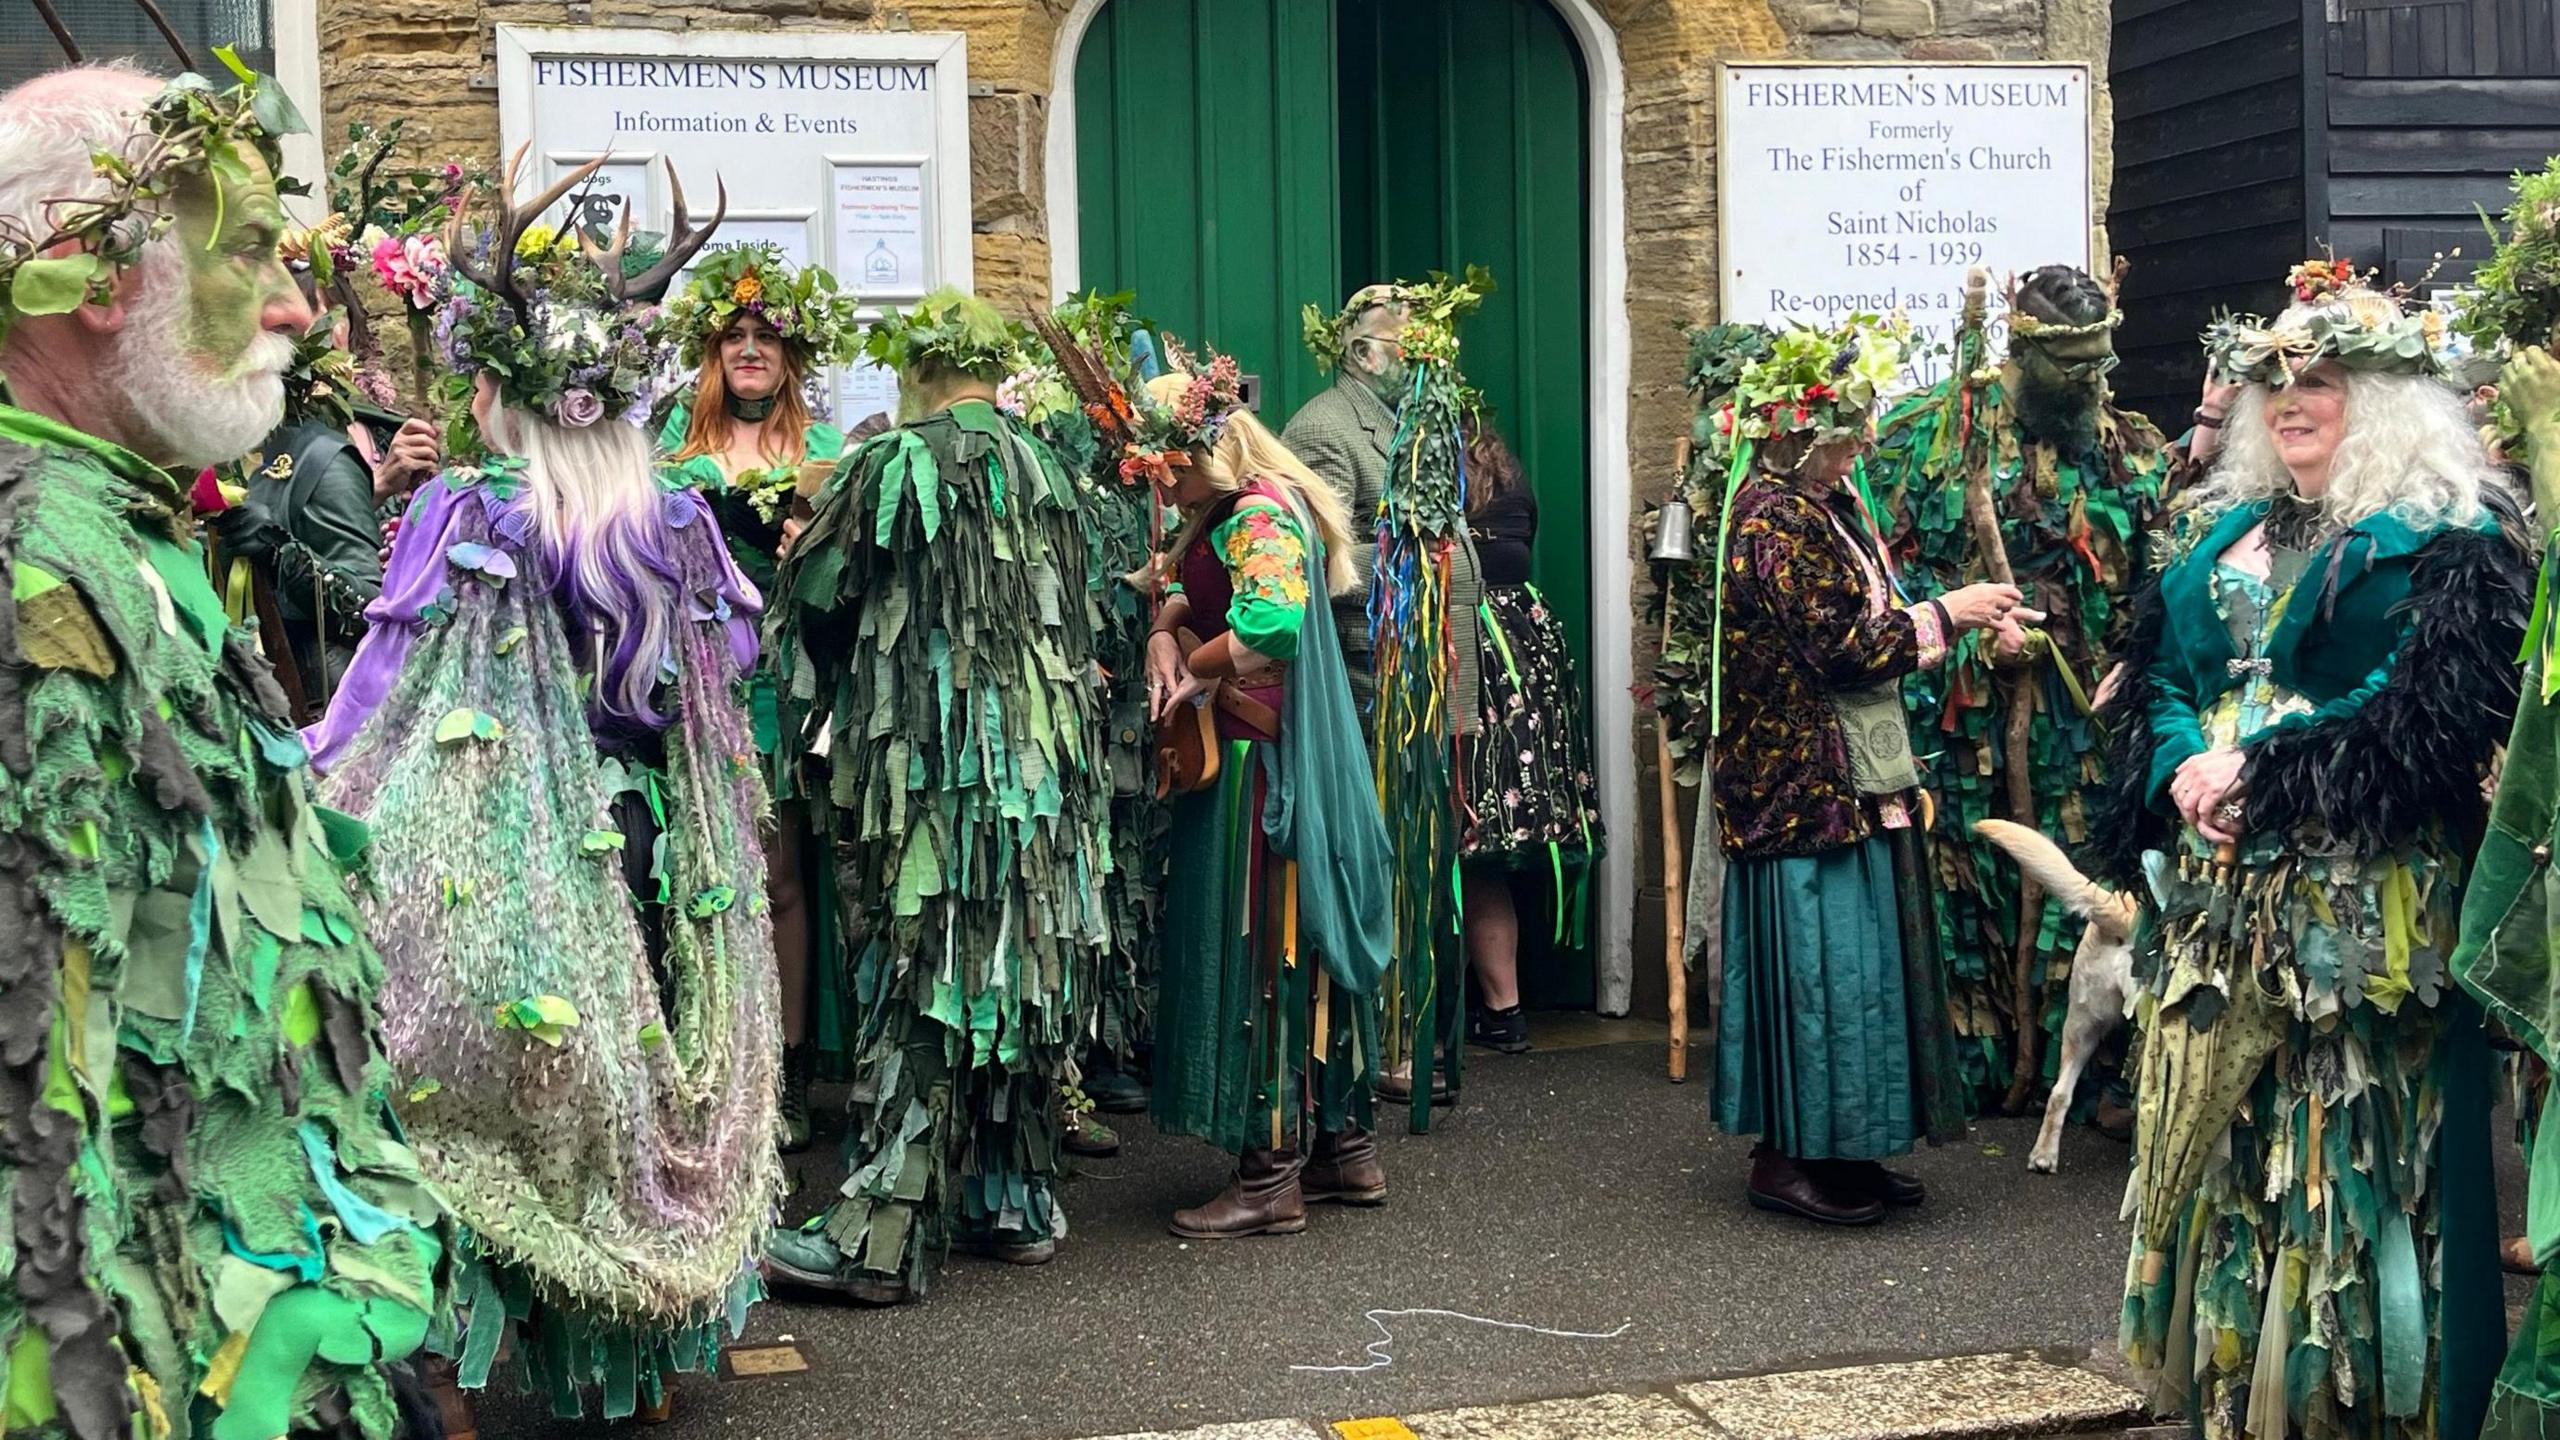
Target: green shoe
[[808, 1260], [1087, 1136]]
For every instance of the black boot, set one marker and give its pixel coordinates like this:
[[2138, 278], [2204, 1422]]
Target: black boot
[[799, 1068]]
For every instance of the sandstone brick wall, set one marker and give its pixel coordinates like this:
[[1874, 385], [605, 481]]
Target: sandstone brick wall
[[435, 62]]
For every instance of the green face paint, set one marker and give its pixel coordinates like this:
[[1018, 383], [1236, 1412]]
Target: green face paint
[[229, 227]]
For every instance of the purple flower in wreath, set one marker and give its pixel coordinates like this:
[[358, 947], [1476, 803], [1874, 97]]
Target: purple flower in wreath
[[578, 409]]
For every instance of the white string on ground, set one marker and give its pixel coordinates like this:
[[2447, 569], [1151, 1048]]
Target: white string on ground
[[1377, 1349]]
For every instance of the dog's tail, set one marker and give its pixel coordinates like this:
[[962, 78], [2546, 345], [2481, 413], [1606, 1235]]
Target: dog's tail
[[2044, 860]]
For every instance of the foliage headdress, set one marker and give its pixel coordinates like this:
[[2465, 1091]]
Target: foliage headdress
[[2516, 298], [69, 253], [2338, 318], [560, 324], [1432, 309], [1816, 381], [949, 330], [802, 304]]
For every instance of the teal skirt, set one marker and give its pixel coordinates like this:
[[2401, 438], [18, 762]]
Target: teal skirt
[[1255, 1046], [1832, 1041]]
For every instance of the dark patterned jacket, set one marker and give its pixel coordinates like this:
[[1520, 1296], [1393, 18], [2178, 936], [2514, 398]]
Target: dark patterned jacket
[[1800, 624]]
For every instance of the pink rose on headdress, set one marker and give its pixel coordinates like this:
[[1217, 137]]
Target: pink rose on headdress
[[578, 409], [409, 268]]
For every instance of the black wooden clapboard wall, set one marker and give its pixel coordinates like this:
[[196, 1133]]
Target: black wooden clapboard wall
[[2251, 133]]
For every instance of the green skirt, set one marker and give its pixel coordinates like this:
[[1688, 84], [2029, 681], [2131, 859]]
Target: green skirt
[[1254, 1043], [1832, 1044]]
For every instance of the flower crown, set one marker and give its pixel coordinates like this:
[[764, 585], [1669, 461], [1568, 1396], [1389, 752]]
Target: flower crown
[[947, 328], [803, 306], [557, 320], [68, 255], [1163, 436], [2358, 327], [1823, 382]]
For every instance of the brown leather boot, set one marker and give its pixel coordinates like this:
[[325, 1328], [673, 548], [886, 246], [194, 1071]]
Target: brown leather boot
[[1345, 1170], [1781, 1184], [1263, 1199]]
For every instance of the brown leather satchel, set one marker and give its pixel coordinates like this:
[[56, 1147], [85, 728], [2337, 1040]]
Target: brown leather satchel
[[1186, 741]]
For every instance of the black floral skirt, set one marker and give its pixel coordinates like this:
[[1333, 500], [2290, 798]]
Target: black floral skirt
[[1530, 795]]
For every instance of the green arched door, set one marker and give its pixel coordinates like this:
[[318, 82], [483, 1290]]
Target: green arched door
[[1239, 158]]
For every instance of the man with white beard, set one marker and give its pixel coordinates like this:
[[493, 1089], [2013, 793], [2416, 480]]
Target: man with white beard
[[206, 1194]]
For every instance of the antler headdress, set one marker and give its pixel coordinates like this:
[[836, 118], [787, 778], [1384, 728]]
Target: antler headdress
[[507, 236], [563, 328]]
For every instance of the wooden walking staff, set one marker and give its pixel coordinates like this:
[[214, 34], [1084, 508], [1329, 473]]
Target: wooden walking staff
[[2017, 693], [1671, 550]]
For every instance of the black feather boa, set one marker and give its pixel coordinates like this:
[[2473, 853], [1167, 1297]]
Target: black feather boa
[[2125, 824], [2416, 751]]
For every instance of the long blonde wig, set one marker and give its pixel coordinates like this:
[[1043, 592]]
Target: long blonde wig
[[1247, 451], [598, 518]]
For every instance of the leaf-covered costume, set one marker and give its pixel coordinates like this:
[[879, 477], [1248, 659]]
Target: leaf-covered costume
[[1120, 522], [2315, 1229], [936, 644], [2505, 960], [571, 909], [214, 1225], [2072, 525]]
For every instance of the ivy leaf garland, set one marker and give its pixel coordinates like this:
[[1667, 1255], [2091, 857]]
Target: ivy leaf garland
[[189, 129]]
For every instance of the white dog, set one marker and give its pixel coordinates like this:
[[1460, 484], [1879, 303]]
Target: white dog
[[2101, 969]]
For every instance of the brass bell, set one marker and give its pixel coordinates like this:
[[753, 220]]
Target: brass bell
[[1671, 531]]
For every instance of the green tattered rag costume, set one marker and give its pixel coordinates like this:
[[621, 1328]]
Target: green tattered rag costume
[[936, 644], [215, 1227], [2071, 525], [2505, 959]]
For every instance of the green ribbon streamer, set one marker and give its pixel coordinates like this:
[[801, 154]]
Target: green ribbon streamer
[[1724, 533]]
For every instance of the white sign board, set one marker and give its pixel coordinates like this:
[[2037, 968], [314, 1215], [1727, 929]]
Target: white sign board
[[847, 149], [1848, 188]]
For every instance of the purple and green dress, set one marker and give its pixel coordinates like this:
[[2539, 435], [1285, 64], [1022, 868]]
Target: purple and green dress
[[570, 903]]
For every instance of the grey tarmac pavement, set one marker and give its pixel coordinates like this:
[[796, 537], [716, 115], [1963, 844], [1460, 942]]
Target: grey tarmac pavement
[[1574, 1190]]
